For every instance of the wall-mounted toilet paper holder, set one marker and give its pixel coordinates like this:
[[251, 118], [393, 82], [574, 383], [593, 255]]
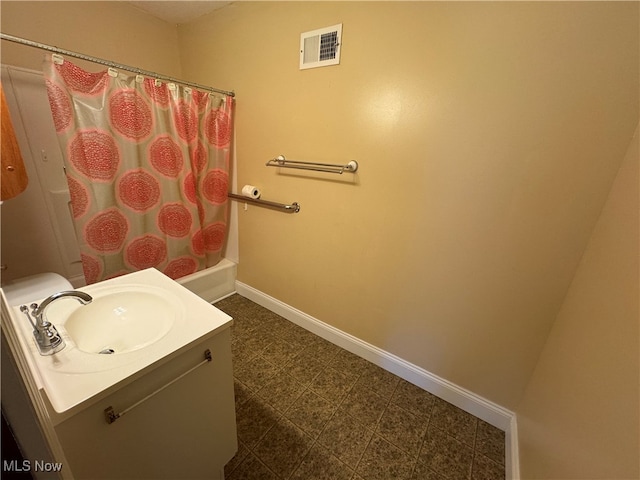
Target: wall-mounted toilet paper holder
[[291, 208]]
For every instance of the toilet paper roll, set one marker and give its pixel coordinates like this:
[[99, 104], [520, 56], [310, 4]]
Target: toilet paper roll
[[250, 191]]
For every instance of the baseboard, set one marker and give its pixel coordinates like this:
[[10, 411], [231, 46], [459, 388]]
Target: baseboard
[[468, 401], [512, 459]]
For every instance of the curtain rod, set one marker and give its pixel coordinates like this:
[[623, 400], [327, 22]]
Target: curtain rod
[[108, 63]]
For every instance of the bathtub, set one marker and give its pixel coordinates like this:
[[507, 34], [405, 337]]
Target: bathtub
[[212, 283]]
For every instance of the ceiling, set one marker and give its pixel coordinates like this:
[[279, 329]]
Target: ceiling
[[179, 11]]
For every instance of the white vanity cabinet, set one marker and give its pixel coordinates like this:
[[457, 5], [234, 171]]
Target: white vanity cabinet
[[185, 431], [160, 406]]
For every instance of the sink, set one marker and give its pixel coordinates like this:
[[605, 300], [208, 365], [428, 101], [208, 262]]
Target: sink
[[121, 321], [139, 321]]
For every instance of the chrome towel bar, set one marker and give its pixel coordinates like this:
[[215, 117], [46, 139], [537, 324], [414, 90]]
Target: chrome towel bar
[[293, 208], [111, 415], [282, 162]]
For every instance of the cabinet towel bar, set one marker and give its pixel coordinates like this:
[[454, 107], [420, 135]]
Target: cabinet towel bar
[[282, 162], [111, 415]]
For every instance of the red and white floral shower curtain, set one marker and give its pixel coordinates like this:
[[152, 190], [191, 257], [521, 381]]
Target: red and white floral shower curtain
[[147, 164]]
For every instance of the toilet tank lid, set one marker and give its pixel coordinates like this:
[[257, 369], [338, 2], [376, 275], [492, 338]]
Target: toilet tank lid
[[34, 288]]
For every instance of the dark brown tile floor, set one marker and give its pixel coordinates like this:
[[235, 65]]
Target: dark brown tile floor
[[307, 409]]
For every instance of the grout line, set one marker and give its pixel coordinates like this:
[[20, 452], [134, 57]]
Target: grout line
[[264, 464], [474, 451], [355, 469], [283, 414], [375, 428], [424, 440]]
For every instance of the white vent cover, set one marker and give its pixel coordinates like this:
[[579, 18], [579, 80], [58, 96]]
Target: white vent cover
[[320, 48]]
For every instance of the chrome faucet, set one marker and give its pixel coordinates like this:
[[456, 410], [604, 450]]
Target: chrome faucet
[[47, 337]]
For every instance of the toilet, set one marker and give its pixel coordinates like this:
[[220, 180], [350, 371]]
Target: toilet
[[34, 288]]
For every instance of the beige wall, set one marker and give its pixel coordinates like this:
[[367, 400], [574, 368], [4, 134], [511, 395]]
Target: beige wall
[[110, 30], [579, 416], [488, 137]]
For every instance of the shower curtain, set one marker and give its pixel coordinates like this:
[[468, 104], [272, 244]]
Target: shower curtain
[[147, 164]]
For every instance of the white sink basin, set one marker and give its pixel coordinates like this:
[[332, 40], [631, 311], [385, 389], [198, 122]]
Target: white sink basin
[[121, 321], [144, 317]]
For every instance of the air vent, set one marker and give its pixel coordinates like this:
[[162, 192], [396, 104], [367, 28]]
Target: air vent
[[320, 48]]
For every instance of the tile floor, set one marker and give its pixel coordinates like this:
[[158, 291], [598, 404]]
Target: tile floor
[[307, 409]]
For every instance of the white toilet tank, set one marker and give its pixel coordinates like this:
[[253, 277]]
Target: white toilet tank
[[34, 288]]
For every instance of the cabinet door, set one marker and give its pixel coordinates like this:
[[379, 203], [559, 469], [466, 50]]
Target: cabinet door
[[187, 430]]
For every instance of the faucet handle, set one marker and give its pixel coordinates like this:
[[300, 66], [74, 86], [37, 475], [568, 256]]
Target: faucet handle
[[34, 308], [24, 309]]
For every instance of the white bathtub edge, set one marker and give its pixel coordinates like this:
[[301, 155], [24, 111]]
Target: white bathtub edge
[[213, 283], [468, 401]]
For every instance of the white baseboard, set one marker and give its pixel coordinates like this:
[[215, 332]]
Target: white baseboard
[[468, 401], [512, 459]]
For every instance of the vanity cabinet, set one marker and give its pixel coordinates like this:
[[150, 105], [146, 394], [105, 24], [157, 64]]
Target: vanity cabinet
[[155, 402], [185, 430]]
